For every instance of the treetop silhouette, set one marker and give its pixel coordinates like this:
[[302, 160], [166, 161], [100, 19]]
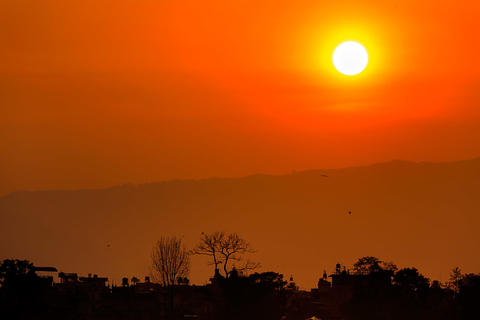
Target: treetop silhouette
[[224, 248]]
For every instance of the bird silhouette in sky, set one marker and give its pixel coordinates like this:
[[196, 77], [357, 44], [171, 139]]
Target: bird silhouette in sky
[[349, 212], [324, 175]]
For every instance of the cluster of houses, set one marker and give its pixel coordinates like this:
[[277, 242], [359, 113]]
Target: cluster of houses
[[92, 297]]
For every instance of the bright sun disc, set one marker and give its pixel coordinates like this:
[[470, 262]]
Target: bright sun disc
[[350, 58]]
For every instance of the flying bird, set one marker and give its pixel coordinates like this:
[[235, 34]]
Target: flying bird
[[349, 212]]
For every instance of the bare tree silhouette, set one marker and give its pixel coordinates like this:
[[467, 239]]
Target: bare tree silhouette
[[170, 260], [225, 248], [210, 245]]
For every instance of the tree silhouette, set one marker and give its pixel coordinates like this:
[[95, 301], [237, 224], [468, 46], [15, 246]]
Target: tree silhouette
[[455, 280], [469, 296], [18, 285], [369, 264], [411, 280], [411, 290], [170, 260], [210, 245], [14, 271], [225, 248], [371, 295], [260, 296]]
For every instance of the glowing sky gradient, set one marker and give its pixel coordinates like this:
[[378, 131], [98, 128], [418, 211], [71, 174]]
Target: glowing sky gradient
[[95, 93]]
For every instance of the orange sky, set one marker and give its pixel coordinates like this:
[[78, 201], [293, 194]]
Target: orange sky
[[94, 93]]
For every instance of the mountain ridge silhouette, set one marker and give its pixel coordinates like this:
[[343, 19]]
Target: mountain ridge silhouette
[[416, 214]]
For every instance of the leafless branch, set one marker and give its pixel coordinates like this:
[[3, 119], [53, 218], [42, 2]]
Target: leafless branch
[[224, 248]]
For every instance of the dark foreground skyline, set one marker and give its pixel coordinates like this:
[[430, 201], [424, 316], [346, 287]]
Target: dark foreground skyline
[[370, 289]]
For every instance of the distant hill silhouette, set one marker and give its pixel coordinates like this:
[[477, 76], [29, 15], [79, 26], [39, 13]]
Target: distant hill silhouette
[[424, 215]]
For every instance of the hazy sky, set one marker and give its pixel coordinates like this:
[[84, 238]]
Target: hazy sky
[[99, 92]]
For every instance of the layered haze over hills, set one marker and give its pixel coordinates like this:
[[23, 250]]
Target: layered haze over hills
[[423, 215]]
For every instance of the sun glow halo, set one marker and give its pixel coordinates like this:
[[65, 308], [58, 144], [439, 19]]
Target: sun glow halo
[[350, 58]]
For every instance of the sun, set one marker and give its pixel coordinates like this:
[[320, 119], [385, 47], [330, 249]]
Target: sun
[[350, 58]]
